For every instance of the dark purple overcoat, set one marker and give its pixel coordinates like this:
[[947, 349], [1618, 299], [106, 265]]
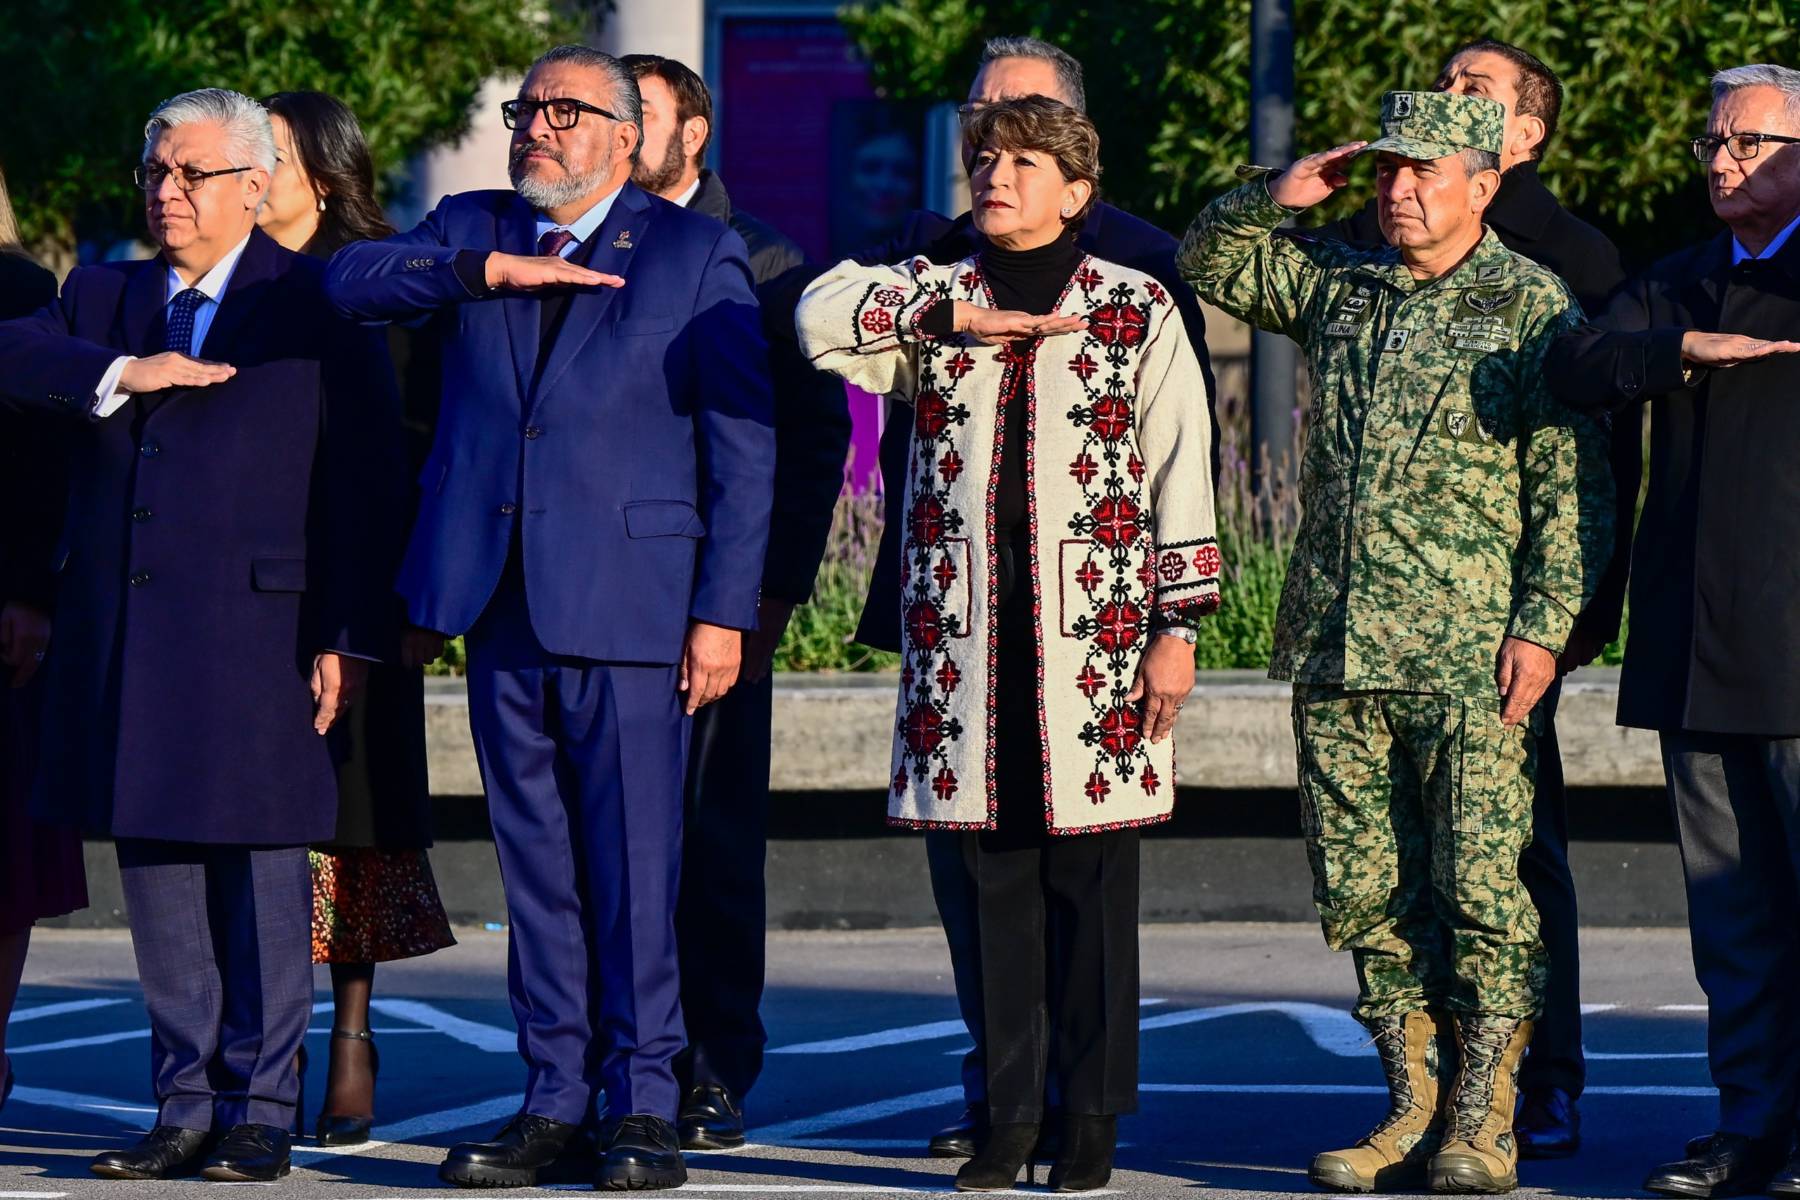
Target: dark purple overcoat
[[217, 539]]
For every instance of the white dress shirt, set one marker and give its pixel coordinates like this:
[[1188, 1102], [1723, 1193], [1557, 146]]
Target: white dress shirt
[[686, 198], [107, 397], [582, 227], [1739, 254]]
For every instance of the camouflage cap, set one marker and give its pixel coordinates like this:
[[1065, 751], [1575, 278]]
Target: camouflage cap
[[1431, 125]]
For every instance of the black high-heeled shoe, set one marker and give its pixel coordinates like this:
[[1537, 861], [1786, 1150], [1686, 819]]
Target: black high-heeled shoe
[[1086, 1160], [333, 1129], [998, 1159]]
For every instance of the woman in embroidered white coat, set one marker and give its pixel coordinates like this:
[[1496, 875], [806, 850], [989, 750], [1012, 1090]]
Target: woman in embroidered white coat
[[1060, 523]]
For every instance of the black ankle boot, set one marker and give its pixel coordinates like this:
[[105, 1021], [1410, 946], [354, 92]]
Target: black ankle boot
[[1087, 1153], [996, 1164]]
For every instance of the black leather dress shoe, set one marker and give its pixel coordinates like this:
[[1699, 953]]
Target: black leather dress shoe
[[960, 1138], [250, 1154], [1787, 1180], [166, 1152], [1548, 1124], [1729, 1164], [711, 1119], [524, 1146], [643, 1155]]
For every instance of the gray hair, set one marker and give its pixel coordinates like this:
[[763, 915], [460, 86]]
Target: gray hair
[[249, 140], [1783, 79], [1068, 69], [1476, 161], [627, 101]]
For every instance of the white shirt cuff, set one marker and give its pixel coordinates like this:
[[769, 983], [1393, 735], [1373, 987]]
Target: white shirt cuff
[[108, 399]]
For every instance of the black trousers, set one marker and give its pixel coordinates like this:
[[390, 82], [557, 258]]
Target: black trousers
[[1555, 1058], [1737, 812], [719, 921]]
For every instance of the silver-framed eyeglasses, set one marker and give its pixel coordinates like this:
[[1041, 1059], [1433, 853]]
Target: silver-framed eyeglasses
[[150, 176], [1740, 146]]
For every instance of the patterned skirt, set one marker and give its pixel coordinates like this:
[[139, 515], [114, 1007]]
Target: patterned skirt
[[373, 906]]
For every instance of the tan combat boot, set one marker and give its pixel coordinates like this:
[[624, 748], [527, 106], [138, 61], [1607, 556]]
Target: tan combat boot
[[1396, 1153], [1479, 1152]]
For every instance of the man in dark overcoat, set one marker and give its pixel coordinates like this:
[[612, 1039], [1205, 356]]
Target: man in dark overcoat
[[231, 540], [1715, 629], [720, 919], [1529, 220]]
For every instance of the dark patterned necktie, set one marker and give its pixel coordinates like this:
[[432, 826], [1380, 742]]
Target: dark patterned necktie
[[179, 336], [553, 242]]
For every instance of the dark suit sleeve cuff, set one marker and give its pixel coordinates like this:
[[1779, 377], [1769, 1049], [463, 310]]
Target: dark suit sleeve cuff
[[471, 271], [938, 321], [1664, 370]]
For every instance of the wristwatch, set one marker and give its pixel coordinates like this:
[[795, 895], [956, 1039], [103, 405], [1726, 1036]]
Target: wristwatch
[[1186, 634]]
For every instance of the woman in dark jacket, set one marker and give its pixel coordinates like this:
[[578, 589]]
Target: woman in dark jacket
[[40, 865], [374, 898]]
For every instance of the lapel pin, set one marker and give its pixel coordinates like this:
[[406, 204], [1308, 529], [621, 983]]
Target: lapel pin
[[623, 241]]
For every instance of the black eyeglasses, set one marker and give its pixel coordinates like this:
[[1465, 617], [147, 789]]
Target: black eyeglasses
[[150, 176], [1739, 145], [560, 113]]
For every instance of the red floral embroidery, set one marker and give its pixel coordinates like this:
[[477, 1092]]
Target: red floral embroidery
[[889, 298], [945, 572], [928, 520], [950, 466], [1150, 781], [878, 320], [971, 282], [959, 366], [944, 784], [1115, 521], [1089, 576], [1090, 681], [1207, 560], [1083, 365], [1097, 788], [1087, 279], [1084, 469], [1117, 324], [1135, 465], [923, 729], [1173, 566], [1155, 292], [900, 782], [1112, 417], [1118, 626], [1119, 732], [948, 676], [1146, 573], [924, 624], [931, 414]]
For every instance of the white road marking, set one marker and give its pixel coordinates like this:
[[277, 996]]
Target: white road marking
[[1332, 1030], [98, 1039], [62, 1008], [1681, 1008], [118, 1110], [485, 1112], [490, 1038], [1591, 1054], [928, 1032], [857, 1114], [1356, 1089], [32, 1195], [1590, 1009]]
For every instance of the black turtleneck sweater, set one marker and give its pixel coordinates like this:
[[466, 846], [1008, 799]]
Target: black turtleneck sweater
[[1029, 281]]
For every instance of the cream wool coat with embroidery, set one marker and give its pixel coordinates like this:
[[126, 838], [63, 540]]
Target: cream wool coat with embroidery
[[1119, 488]]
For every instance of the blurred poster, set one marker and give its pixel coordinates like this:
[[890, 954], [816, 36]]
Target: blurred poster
[[877, 161]]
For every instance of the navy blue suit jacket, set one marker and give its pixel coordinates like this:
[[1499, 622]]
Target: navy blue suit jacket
[[217, 539], [638, 465]]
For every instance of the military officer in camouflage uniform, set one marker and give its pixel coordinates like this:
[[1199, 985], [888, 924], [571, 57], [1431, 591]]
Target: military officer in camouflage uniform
[[1456, 519]]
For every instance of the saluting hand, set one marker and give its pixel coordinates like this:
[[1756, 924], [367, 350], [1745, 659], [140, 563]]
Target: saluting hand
[[1729, 349], [169, 369], [534, 273], [1314, 177], [709, 663], [997, 326]]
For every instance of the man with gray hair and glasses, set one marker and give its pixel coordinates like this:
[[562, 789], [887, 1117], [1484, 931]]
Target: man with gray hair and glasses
[[1713, 662], [233, 528]]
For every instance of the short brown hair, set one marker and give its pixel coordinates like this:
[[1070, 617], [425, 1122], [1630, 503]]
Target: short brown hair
[[692, 97], [1040, 123]]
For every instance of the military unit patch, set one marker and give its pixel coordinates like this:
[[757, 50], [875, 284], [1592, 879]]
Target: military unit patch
[[1396, 339], [1462, 426]]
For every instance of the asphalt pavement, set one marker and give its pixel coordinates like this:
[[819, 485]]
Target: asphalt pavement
[[1250, 1064]]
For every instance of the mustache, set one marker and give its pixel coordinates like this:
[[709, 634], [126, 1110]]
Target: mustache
[[537, 147]]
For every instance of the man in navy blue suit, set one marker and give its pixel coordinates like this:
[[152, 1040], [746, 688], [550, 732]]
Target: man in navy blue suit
[[594, 516], [233, 528]]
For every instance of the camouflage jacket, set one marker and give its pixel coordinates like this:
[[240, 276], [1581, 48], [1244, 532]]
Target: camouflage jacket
[[1448, 500]]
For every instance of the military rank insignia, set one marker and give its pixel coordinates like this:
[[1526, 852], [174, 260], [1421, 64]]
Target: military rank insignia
[[1461, 426], [1351, 313]]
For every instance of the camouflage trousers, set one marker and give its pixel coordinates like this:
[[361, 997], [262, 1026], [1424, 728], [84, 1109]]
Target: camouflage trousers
[[1415, 809]]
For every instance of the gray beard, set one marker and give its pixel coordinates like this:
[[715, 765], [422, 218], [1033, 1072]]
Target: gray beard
[[543, 194]]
